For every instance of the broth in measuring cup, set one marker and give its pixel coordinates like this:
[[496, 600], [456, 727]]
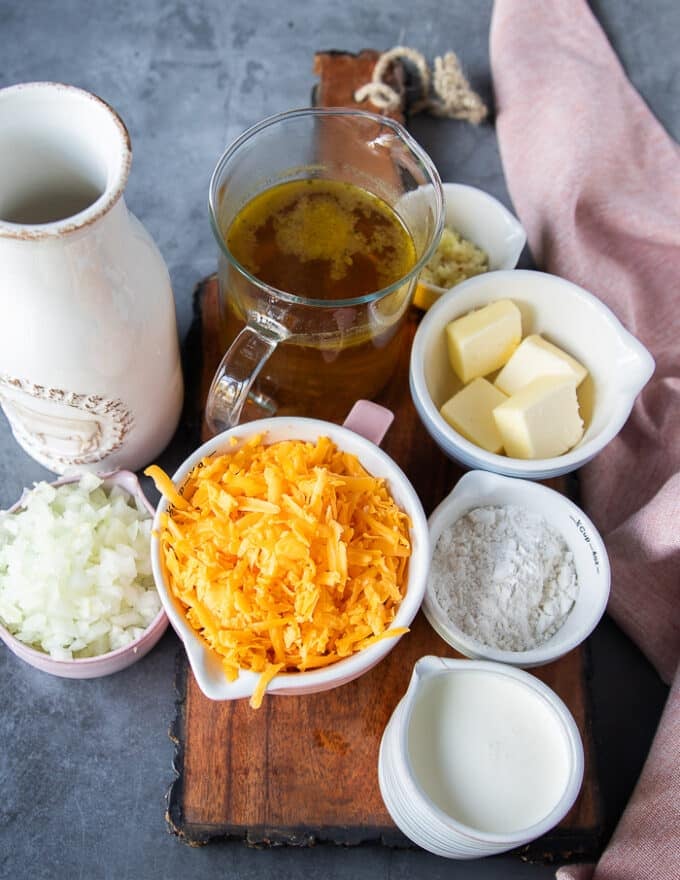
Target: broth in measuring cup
[[323, 240]]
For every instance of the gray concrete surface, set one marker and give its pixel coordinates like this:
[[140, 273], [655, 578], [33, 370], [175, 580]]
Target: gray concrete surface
[[84, 766]]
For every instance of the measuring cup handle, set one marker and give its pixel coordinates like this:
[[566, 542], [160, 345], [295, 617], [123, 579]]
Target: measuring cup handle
[[235, 375]]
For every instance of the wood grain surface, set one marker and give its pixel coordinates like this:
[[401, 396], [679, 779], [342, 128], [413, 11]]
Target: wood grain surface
[[304, 769]]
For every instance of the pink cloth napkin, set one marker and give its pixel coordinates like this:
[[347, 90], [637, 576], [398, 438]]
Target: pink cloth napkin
[[595, 180]]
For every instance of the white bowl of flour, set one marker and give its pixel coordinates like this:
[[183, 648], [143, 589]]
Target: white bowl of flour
[[519, 574]]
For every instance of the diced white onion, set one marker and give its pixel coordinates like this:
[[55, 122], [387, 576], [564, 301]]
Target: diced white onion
[[75, 570]]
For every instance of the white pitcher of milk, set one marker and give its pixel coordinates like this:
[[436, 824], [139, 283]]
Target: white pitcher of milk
[[90, 373], [478, 758]]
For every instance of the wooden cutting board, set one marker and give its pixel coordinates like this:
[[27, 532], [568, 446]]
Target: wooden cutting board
[[304, 769]]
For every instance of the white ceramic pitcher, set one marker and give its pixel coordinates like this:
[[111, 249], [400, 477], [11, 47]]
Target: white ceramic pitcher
[[478, 758], [90, 373]]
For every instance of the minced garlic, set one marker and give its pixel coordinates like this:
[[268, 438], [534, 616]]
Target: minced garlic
[[455, 259]]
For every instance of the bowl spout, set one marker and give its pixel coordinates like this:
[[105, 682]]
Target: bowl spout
[[635, 365]]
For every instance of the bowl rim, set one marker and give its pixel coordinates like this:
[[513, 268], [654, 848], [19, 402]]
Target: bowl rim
[[470, 490], [347, 668], [153, 631], [474, 456]]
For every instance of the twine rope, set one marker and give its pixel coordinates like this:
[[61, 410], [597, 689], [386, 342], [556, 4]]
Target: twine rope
[[444, 92]]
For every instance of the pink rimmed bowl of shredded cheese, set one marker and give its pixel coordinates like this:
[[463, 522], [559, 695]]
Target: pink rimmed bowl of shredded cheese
[[77, 598], [269, 617]]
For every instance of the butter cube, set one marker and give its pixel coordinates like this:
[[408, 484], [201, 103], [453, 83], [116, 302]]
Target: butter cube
[[483, 340], [537, 357], [541, 420], [470, 412]]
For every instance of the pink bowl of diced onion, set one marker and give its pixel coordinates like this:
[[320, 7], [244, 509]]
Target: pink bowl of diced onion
[[121, 593]]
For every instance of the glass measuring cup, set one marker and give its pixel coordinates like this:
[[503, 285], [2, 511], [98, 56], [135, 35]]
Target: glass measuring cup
[[303, 355]]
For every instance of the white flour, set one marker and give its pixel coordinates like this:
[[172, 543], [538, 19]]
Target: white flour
[[504, 576]]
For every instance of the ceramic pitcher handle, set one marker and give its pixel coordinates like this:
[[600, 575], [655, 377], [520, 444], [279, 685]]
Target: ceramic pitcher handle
[[236, 373]]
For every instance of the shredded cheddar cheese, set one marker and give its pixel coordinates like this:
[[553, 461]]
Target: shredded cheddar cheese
[[286, 557]]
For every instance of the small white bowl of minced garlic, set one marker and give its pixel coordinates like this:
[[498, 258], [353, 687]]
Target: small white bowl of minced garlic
[[480, 235]]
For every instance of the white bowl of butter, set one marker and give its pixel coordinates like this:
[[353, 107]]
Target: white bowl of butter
[[556, 313]]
